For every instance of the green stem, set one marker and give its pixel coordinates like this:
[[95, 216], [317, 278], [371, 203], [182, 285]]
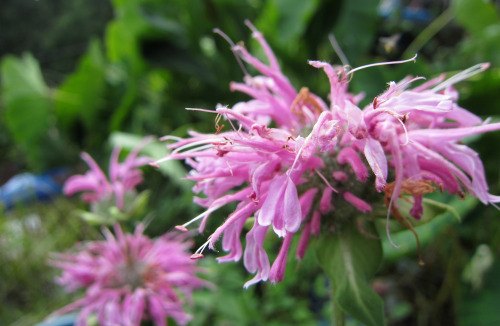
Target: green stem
[[428, 33], [338, 313]]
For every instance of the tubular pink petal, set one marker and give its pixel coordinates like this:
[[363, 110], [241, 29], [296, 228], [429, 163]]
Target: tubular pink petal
[[374, 153], [455, 134], [94, 168], [348, 155], [255, 257], [277, 271], [270, 208], [241, 213], [306, 201], [340, 176], [304, 241], [325, 202], [360, 204], [292, 212], [316, 223]]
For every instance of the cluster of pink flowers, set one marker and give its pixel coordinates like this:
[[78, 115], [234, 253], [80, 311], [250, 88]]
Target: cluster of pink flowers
[[123, 177], [296, 164], [129, 278]]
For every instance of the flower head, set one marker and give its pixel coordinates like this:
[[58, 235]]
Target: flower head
[[123, 177], [130, 277], [321, 165]]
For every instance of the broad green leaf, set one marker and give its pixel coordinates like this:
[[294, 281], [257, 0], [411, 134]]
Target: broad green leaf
[[122, 45], [350, 260], [475, 15], [27, 104], [82, 92]]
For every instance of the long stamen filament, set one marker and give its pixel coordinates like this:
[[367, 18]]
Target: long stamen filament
[[199, 217], [338, 50], [382, 64], [461, 76], [326, 181], [231, 43]]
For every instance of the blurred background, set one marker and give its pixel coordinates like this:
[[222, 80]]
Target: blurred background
[[87, 75]]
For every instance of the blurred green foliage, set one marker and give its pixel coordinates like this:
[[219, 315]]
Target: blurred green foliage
[[105, 74]]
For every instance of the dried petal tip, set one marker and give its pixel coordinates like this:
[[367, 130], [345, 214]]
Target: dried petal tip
[[181, 228], [196, 256]]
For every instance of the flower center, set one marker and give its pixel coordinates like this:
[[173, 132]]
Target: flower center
[[132, 273]]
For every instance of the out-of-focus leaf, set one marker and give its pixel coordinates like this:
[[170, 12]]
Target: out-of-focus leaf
[[82, 92], [122, 46], [475, 16], [125, 105], [285, 21], [356, 28], [481, 308], [27, 104], [138, 205], [350, 260]]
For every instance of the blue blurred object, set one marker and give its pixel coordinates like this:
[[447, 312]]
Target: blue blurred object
[[27, 187], [64, 320], [415, 13]]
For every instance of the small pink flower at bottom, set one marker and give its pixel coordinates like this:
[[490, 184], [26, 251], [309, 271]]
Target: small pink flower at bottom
[[129, 278]]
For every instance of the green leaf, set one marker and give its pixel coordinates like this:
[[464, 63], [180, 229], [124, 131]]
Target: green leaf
[[285, 21], [82, 92], [122, 45], [481, 308], [356, 28], [350, 260], [432, 209], [476, 15], [405, 240], [27, 104]]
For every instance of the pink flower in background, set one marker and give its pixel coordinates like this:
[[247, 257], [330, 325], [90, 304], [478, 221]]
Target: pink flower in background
[[129, 278], [318, 166], [123, 176]]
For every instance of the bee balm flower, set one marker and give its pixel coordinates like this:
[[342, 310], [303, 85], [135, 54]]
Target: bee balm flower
[[129, 278], [124, 177], [313, 168]]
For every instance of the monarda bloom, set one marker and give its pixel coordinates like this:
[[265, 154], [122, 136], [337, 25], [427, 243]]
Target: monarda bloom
[[129, 278], [123, 178], [297, 165]]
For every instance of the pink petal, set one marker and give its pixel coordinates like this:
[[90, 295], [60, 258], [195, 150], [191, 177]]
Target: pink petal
[[374, 153], [292, 211]]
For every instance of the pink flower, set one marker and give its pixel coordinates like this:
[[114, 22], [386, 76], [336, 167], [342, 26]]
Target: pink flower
[[314, 168], [124, 177], [129, 278]]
